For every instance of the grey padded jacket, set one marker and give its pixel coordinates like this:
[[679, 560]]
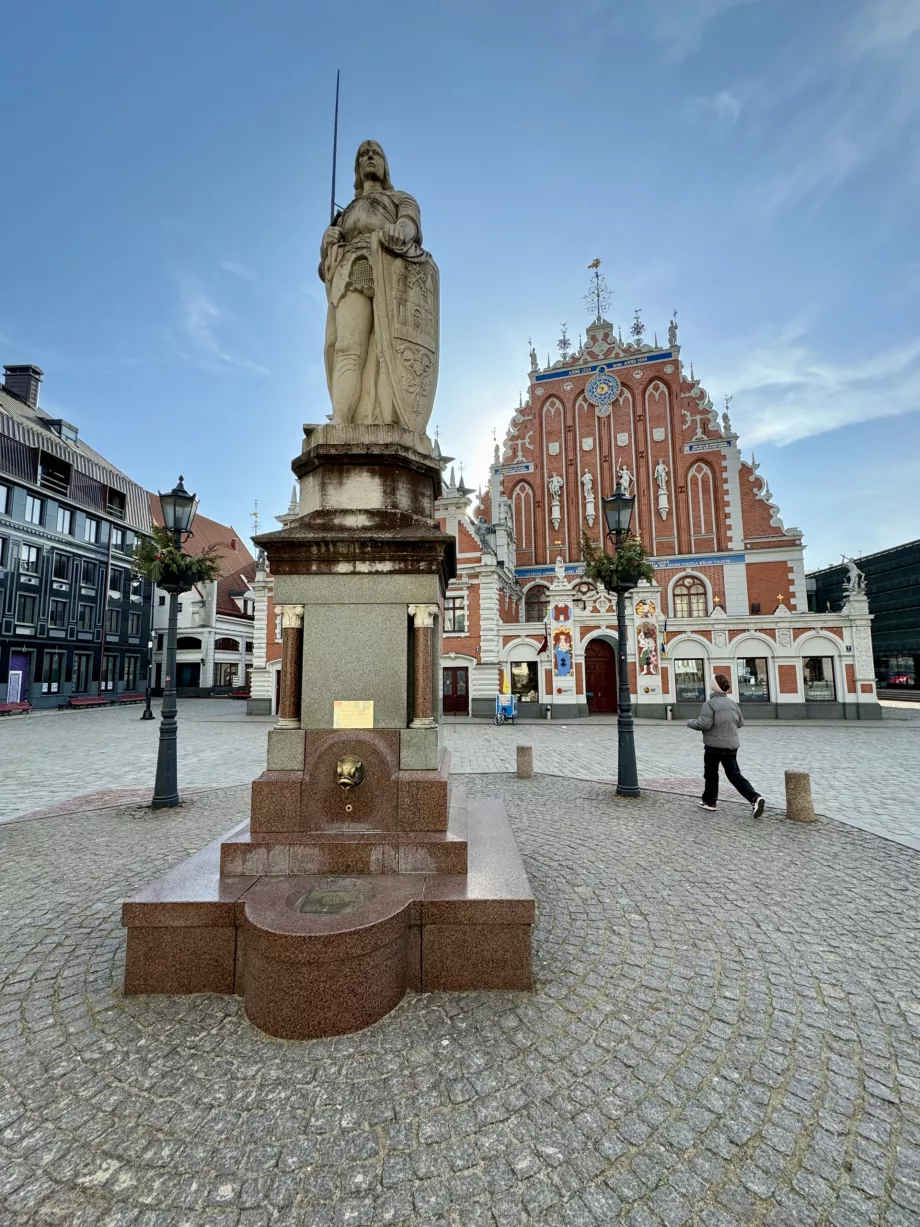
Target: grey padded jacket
[[719, 722]]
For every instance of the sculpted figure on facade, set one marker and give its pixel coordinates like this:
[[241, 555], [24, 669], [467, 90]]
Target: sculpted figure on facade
[[661, 478], [382, 288], [625, 480], [855, 583]]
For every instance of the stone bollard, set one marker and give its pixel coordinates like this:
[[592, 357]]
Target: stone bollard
[[525, 762], [799, 805]]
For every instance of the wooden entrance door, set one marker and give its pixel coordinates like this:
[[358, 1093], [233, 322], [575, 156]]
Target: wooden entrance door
[[600, 676], [456, 692]]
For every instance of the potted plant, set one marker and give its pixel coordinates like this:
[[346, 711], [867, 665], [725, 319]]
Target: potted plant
[[159, 559], [623, 569]]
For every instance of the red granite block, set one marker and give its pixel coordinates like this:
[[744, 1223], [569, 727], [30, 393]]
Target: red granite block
[[414, 958], [167, 959], [343, 857], [424, 798], [440, 853], [469, 957], [371, 806], [276, 801]]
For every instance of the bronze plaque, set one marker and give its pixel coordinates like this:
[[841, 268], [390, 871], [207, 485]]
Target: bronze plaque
[[353, 715], [323, 901]]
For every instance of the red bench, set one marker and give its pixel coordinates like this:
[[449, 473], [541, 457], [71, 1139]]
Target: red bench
[[91, 701], [239, 694], [7, 709], [130, 698]]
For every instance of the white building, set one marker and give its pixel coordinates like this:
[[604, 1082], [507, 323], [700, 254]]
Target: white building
[[215, 635]]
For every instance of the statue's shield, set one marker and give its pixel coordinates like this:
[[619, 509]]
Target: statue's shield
[[406, 323]]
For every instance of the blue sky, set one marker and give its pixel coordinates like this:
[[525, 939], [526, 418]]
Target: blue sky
[[753, 163]]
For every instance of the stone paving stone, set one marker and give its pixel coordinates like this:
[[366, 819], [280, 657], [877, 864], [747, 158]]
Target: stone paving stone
[[725, 1030]]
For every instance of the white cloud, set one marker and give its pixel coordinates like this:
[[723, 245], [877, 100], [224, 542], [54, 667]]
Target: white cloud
[[238, 270], [726, 105], [200, 320], [782, 391]]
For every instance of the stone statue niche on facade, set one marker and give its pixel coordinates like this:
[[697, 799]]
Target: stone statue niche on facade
[[382, 288]]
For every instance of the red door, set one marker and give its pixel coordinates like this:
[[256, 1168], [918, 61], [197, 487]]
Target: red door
[[456, 692], [600, 676]]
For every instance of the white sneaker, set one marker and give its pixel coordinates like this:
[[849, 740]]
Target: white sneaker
[[703, 805], [757, 808]]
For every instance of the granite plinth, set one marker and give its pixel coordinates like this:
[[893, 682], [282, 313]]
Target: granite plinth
[[323, 954]]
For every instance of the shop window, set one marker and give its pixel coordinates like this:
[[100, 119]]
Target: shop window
[[225, 674], [82, 672], [896, 672], [690, 598], [454, 615], [52, 672], [536, 604], [524, 680], [818, 674], [753, 679], [109, 673], [689, 680], [131, 673]]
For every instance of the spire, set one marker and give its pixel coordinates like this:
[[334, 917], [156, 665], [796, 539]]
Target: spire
[[295, 499], [597, 299]]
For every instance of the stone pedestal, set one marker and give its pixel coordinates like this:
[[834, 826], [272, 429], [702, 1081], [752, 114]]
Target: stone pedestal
[[358, 876]]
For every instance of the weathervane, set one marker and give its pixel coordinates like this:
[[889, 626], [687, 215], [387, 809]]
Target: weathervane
[[254, 514], [598, 297], [637, 327]]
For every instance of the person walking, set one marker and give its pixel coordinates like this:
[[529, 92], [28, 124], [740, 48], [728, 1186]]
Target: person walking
[[719, 722]]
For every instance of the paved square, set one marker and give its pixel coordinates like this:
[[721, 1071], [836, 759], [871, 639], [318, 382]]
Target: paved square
[[725, 1031]]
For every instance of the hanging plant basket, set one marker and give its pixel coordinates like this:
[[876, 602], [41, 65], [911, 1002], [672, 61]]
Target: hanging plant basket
[[160, 560], [624, 569]]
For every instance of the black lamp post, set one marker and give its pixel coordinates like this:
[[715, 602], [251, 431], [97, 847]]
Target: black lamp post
[[179, 509], [147, 713], [618, 511]]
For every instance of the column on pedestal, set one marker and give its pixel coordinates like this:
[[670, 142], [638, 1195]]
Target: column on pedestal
[[291, 665], [423, 617]]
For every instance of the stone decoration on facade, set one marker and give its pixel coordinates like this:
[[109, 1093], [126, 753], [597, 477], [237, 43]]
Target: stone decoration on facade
[[862, 640], [624, 480], [382, 288], [661, 480], [555, 484], [720, 639], [784, 637], [622, 439], [602, 389], [587, 482], [855, 583]]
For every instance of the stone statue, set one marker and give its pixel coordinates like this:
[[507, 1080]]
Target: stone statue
[[381, 347], [855, 583], [625, 480], [555, 486], [560, 570], [672, 332], [661, 477], [534, 364]]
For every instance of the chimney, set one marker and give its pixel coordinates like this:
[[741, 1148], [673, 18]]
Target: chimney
[[23, 382]]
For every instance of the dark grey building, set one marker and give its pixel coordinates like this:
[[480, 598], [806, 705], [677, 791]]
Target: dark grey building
[[893, 589], [72, 618]]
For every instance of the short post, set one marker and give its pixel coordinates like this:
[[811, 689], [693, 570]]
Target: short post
[[799, 805], [291, 666], [525, 762], [423, 716]]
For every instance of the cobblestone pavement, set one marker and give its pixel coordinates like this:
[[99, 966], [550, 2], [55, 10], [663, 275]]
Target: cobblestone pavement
[[866, 774], [725, 1031], [112, 748]]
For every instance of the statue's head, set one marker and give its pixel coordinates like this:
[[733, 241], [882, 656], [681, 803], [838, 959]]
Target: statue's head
[[371, 163]]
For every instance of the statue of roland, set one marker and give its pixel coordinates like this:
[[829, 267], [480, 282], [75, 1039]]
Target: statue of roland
[[381, 346]]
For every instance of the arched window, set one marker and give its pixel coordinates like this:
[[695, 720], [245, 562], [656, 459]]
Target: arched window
[[226, 645], [690, 598], [536, 605], [187, 643], [702, 504], [522, 510]]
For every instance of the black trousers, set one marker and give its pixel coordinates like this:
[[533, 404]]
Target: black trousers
[[712, 757]]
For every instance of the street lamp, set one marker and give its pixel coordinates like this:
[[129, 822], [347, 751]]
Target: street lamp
[[179, 509], [618, 511]]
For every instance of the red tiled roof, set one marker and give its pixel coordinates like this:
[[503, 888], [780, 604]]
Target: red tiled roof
[[237, 564]]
